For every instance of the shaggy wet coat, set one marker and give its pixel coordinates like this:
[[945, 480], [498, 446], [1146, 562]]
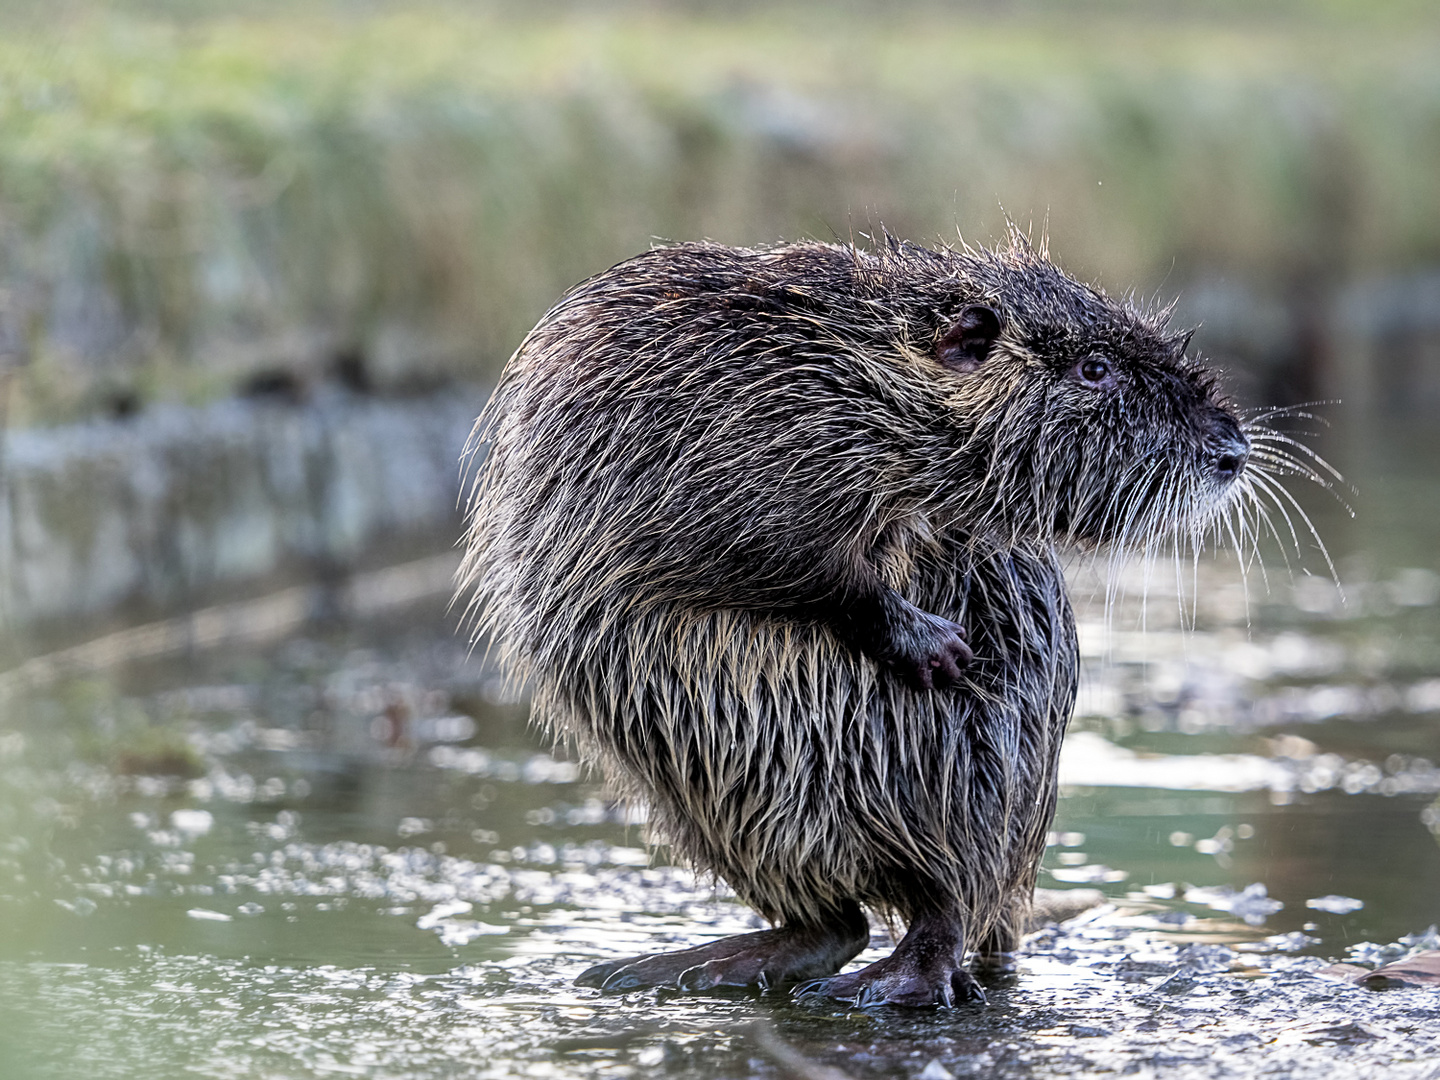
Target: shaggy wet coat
[[700, 458]]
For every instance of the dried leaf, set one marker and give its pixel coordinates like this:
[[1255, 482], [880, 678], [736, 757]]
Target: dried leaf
[[1422, 969], [1348, 972]]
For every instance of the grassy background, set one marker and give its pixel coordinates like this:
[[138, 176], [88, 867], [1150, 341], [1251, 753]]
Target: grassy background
[[198, 197]]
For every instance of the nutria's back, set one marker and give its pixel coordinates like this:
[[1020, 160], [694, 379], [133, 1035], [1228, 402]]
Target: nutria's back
[[771, 534]]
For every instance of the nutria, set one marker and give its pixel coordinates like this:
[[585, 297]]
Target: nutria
[[772, 535]]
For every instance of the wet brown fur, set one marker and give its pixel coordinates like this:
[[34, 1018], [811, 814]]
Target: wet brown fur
[[696, 455]]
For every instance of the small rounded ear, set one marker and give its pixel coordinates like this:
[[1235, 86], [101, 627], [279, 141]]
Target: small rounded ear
[[1181, 341], [967, 343]]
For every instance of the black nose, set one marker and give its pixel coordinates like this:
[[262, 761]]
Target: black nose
[[1230, 457], [1226, 446]]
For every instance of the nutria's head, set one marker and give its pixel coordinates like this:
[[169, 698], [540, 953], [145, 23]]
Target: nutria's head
[[1081, 417]]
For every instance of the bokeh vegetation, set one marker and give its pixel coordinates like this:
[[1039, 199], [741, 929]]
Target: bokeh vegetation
[[193, 199]]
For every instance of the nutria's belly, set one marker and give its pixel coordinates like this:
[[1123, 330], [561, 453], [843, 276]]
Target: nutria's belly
[[801, 774]]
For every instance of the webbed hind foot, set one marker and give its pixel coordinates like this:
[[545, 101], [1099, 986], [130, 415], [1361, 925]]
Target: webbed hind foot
[[764, 959], [926, 968]]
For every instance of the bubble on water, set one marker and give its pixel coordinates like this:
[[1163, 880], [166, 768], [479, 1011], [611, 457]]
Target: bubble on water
[[271, 790], [1092, 874], [1253, 903], [457, 932], [651, 1056], [443, 911], [1088, 759], [1415, 587], [1220, 845], [1316, 595], [1423, 696], [192, 823], [543, 769], [628, 856], [1295, 941], [1368, 952], [201, 790], [446, 729], [1335, 905]]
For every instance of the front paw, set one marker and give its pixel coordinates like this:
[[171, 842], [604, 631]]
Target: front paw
[[931, 655]]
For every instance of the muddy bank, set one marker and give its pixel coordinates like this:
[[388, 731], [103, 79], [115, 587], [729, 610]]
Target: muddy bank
[[130, 519]]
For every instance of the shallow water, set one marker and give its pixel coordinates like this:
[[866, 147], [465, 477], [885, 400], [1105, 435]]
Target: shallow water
[[345, 855]]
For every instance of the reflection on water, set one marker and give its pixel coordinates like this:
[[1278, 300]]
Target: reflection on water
[[346, 855]]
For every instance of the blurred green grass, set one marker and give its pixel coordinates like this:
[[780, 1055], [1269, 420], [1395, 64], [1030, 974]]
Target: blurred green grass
[[188, 201]]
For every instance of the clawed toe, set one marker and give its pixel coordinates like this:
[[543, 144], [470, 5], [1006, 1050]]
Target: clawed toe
[[694, 980], [813, 988], [878, 985], [625, 979], [967, 989], [600, 974]]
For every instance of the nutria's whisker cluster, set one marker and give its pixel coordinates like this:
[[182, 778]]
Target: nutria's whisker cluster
[[1255, 509], [1274, 455], [772, 535]]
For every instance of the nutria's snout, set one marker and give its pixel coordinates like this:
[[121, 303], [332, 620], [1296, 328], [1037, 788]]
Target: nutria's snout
[[1227, 448], [1231, 460]]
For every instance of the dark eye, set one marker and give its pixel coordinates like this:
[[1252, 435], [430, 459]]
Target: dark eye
[[1092, 371]]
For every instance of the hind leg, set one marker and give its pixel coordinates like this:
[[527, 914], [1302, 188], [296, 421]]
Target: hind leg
[[926, 968], [766, 958]]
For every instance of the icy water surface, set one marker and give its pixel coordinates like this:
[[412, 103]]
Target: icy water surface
[[345, 855]]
